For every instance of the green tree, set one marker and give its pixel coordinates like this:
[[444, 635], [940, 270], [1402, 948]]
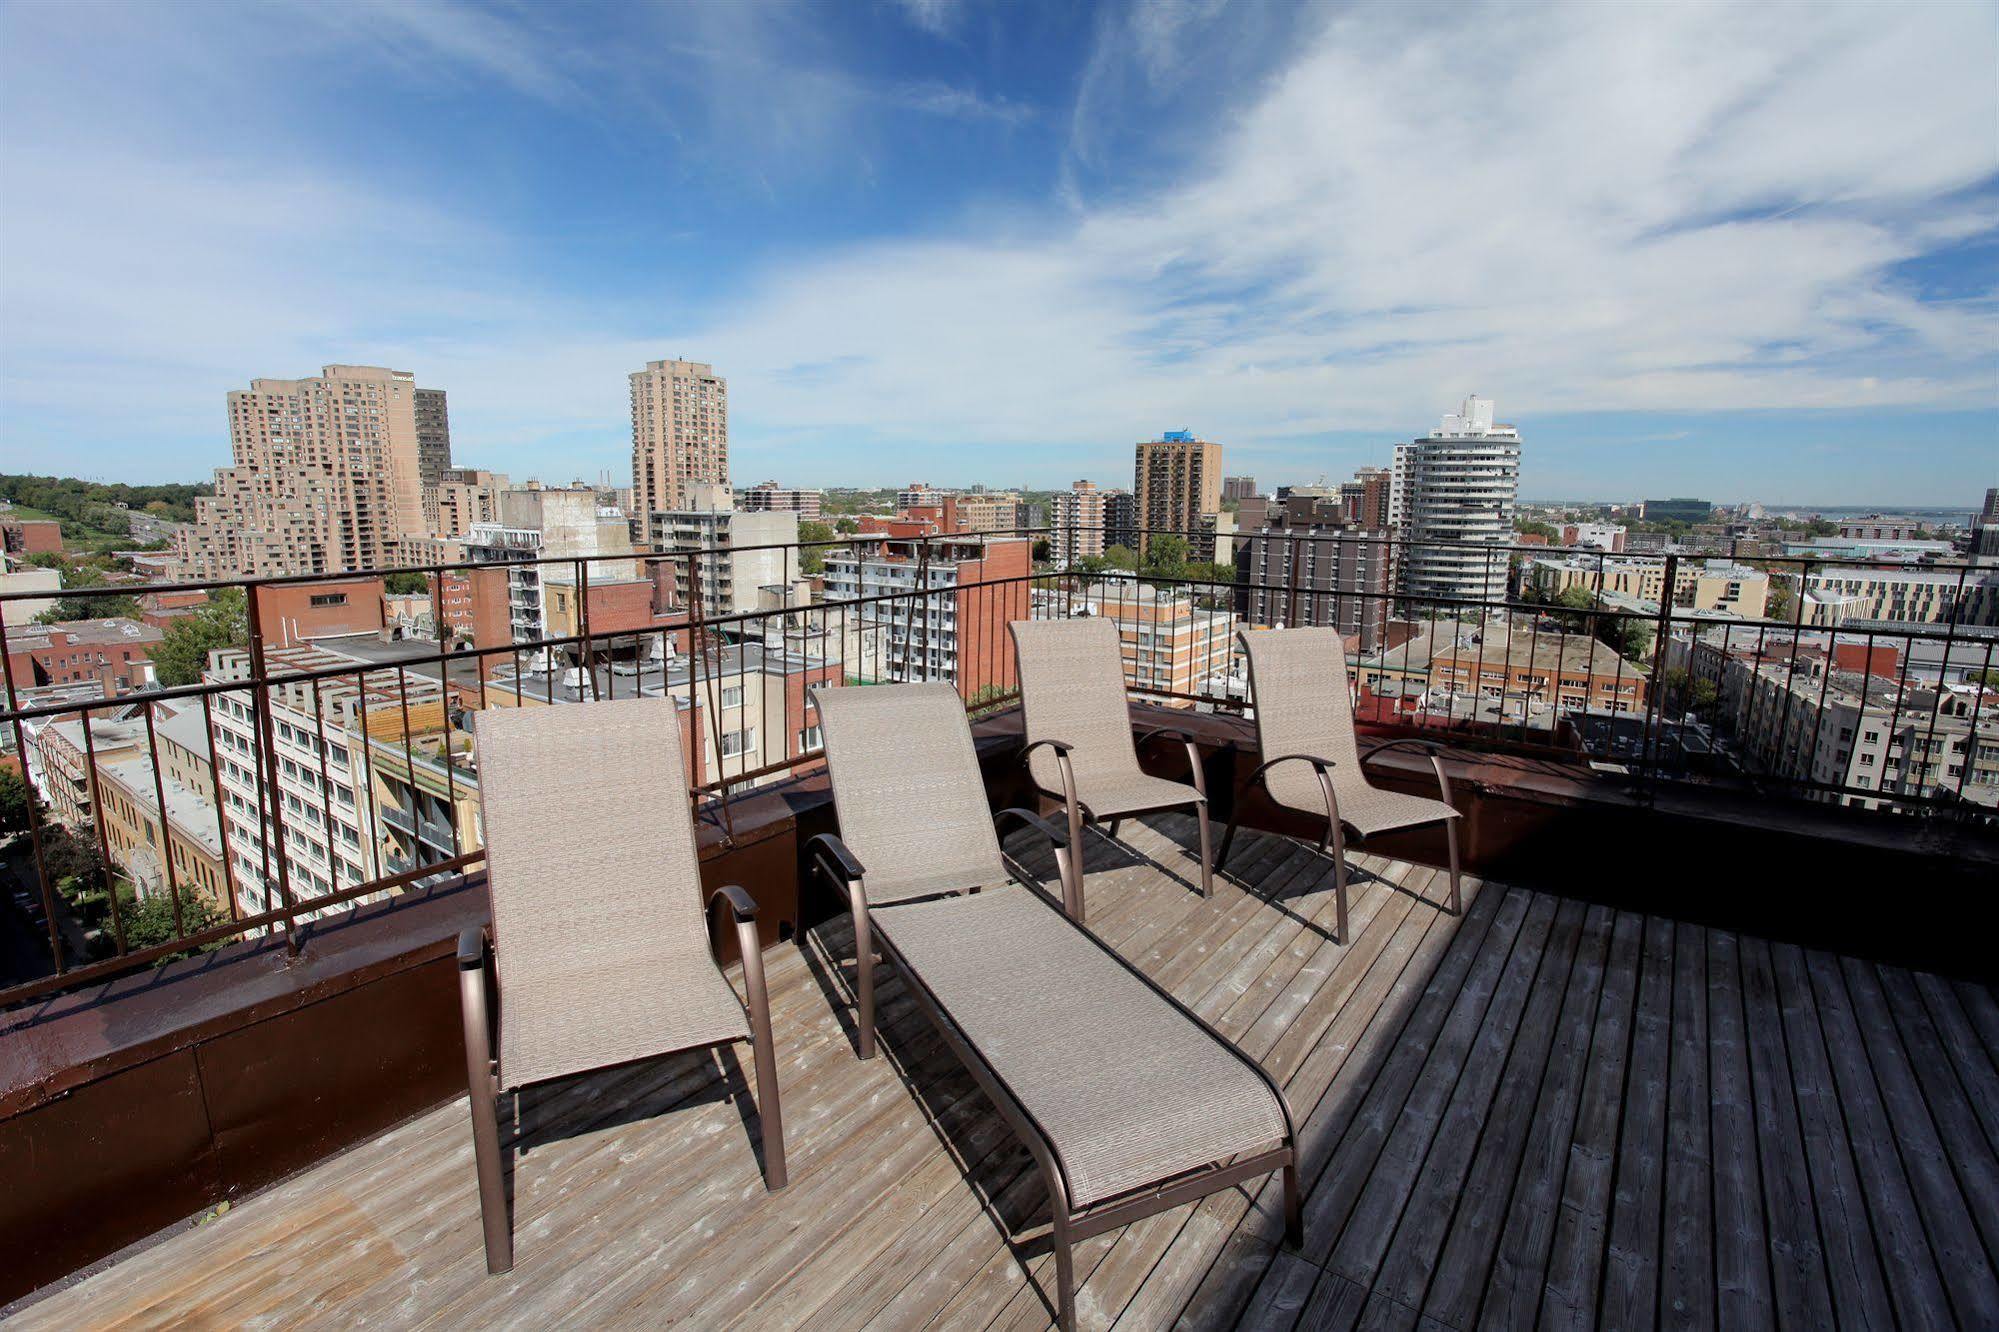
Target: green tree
[[1533, 527], [13, 802], [1043, 552], [847, 526], [1121, 557], [407, 583], [149, 920], [180, 657], [1990, 679], [812, 560]]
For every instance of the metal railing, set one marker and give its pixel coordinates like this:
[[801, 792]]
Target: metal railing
[[291, 767]]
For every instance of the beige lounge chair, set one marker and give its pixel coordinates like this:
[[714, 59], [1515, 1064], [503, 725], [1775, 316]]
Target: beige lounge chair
[[1312, 762], [1079, 748], [599, 948], [1128, 1102]]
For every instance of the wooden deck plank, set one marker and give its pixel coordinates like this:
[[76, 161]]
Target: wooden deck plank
[[1741, 1244], [1508, 1291], [1575, 1256], [1853, 1265], [1915, 1282], [1686, 1255], [1493, 1106], [1798, 1283], [1519, 1020], [1469, 976], [1959, 1126], [1630, 1294], [1967, 1269]]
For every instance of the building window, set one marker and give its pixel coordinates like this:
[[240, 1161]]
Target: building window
[[732, 696], [329, 599], [735, 743]]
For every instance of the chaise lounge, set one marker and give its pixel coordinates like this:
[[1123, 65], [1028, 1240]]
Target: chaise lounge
[[1128, 1103]]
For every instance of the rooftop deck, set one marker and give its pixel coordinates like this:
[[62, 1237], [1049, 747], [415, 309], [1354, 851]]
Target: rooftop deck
[[1544, 1110]]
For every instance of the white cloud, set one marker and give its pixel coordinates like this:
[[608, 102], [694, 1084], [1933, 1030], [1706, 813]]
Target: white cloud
[[1653, 209]]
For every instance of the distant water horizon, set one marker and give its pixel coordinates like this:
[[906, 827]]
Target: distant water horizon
[[1944, 513]]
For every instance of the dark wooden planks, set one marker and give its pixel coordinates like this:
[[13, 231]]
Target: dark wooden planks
[[1853, 1265], [1798, 1285], [1630, 1294], [1741, 1244], [1686, 1256], [1575, 1259]]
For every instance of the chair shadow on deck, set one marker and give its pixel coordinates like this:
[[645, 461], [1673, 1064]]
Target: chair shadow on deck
[[620, 1096], [1001, 1176]]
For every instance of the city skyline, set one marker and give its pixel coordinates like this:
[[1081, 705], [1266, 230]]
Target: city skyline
[[912, 235]]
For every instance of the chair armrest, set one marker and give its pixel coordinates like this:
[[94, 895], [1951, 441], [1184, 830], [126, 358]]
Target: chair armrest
[[1059, 746], [1186, 738], [833, 856], [1319, 765], [740, 902], [472, 947], [1034, 821], [1430, 747]]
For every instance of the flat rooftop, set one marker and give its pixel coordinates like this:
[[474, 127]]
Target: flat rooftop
[[1546, 1110]]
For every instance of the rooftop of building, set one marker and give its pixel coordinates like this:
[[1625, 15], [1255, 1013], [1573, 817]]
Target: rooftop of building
[[110, 632], [188, 810]]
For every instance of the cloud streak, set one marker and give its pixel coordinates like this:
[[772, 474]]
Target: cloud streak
[[1641, 210]]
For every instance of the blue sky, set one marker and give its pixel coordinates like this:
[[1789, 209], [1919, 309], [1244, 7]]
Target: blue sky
[[1734, 251]]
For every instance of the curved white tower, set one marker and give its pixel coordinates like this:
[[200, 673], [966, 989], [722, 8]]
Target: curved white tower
[[1456, 487]]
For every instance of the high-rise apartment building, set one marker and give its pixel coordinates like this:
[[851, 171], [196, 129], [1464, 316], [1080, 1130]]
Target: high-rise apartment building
[[1079, 523], [1364, 500], [1176, 479], [1985, 530], [1452, 504], [1238, 488], [328, 476], [433, 437], [680, 433], [1121, 519]]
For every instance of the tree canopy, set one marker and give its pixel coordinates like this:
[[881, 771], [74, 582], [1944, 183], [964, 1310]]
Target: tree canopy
[[182, 655], [811, 559]]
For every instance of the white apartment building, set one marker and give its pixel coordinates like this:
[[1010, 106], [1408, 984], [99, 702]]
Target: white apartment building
[[745, 551], [540, 522], [327, 828], [1456, 487], [1903, 595], [1797, 716]]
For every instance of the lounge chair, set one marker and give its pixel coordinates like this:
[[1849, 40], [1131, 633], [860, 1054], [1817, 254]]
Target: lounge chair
[[1079, 747], [1312, 762], [1128, 1103], [599, 947]]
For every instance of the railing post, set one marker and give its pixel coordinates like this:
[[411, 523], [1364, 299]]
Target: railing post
[[260, 694], [1662, 626]]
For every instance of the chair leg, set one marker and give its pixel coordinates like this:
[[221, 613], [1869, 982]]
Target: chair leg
[[1294, 1207], [1228, 841], [864, 981], [492, 1187], [1065, 1277], [1112, 832], [1451, 840], [1207, 858], [770, 1110], [1338, 846]]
